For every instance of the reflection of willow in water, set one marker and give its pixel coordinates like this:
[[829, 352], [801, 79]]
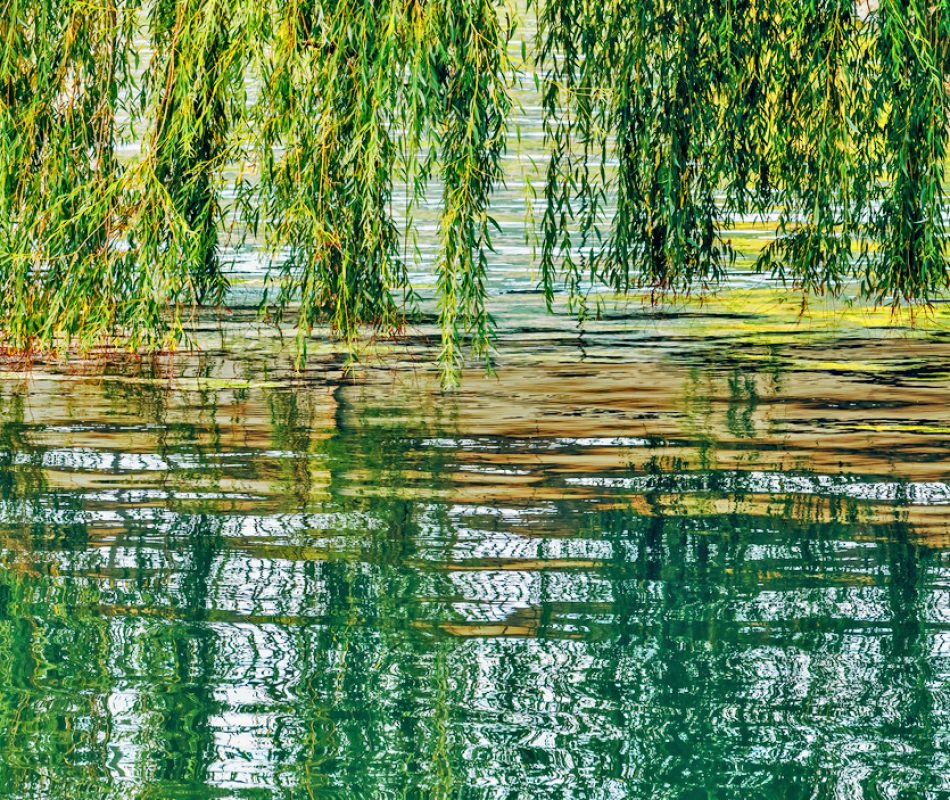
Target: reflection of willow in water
[[310, 593], [732, 457]]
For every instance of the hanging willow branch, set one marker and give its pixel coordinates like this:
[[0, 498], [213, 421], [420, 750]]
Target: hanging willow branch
[[134, 133], [62, 66], [712, 109]]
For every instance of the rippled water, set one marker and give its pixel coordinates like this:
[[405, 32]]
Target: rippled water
[[670, 557]]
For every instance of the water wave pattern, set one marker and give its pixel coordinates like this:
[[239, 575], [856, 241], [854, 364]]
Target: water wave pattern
[[663, 576]]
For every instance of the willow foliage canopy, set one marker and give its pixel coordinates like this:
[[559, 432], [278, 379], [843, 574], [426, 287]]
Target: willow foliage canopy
[[139, 137]]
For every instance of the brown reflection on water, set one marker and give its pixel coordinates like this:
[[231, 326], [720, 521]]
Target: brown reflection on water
[[533, 433], [523, 434]]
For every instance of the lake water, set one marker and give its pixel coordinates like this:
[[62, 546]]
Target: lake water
[[690, 553]]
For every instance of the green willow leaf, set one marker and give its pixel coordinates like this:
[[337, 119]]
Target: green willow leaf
[[139, 139]]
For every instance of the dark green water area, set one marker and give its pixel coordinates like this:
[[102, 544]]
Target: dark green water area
[[694, 553]]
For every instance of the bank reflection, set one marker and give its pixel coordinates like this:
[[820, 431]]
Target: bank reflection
[[374, 589]]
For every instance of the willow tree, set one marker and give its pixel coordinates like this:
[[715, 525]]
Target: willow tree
[[135, 134]]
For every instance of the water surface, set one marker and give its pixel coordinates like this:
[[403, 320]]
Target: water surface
[[679, 556]]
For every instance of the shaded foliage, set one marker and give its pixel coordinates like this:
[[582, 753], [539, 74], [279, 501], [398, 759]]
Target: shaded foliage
[[664, 122], [834, 118]]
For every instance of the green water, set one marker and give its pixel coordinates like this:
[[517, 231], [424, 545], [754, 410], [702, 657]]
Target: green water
[[661, 559]]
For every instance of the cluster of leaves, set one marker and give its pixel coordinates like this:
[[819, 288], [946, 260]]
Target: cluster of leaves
[[130, 130], [93, 246], [305, 113], [357, 95], [667, 119]]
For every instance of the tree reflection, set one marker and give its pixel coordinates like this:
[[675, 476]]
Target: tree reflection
[[262, 592]]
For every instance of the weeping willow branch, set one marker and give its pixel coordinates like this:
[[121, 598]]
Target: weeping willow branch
[[62, 67], [665, 121], [834, 114]]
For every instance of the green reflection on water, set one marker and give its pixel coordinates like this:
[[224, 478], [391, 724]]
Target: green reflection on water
[[380, 591]]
